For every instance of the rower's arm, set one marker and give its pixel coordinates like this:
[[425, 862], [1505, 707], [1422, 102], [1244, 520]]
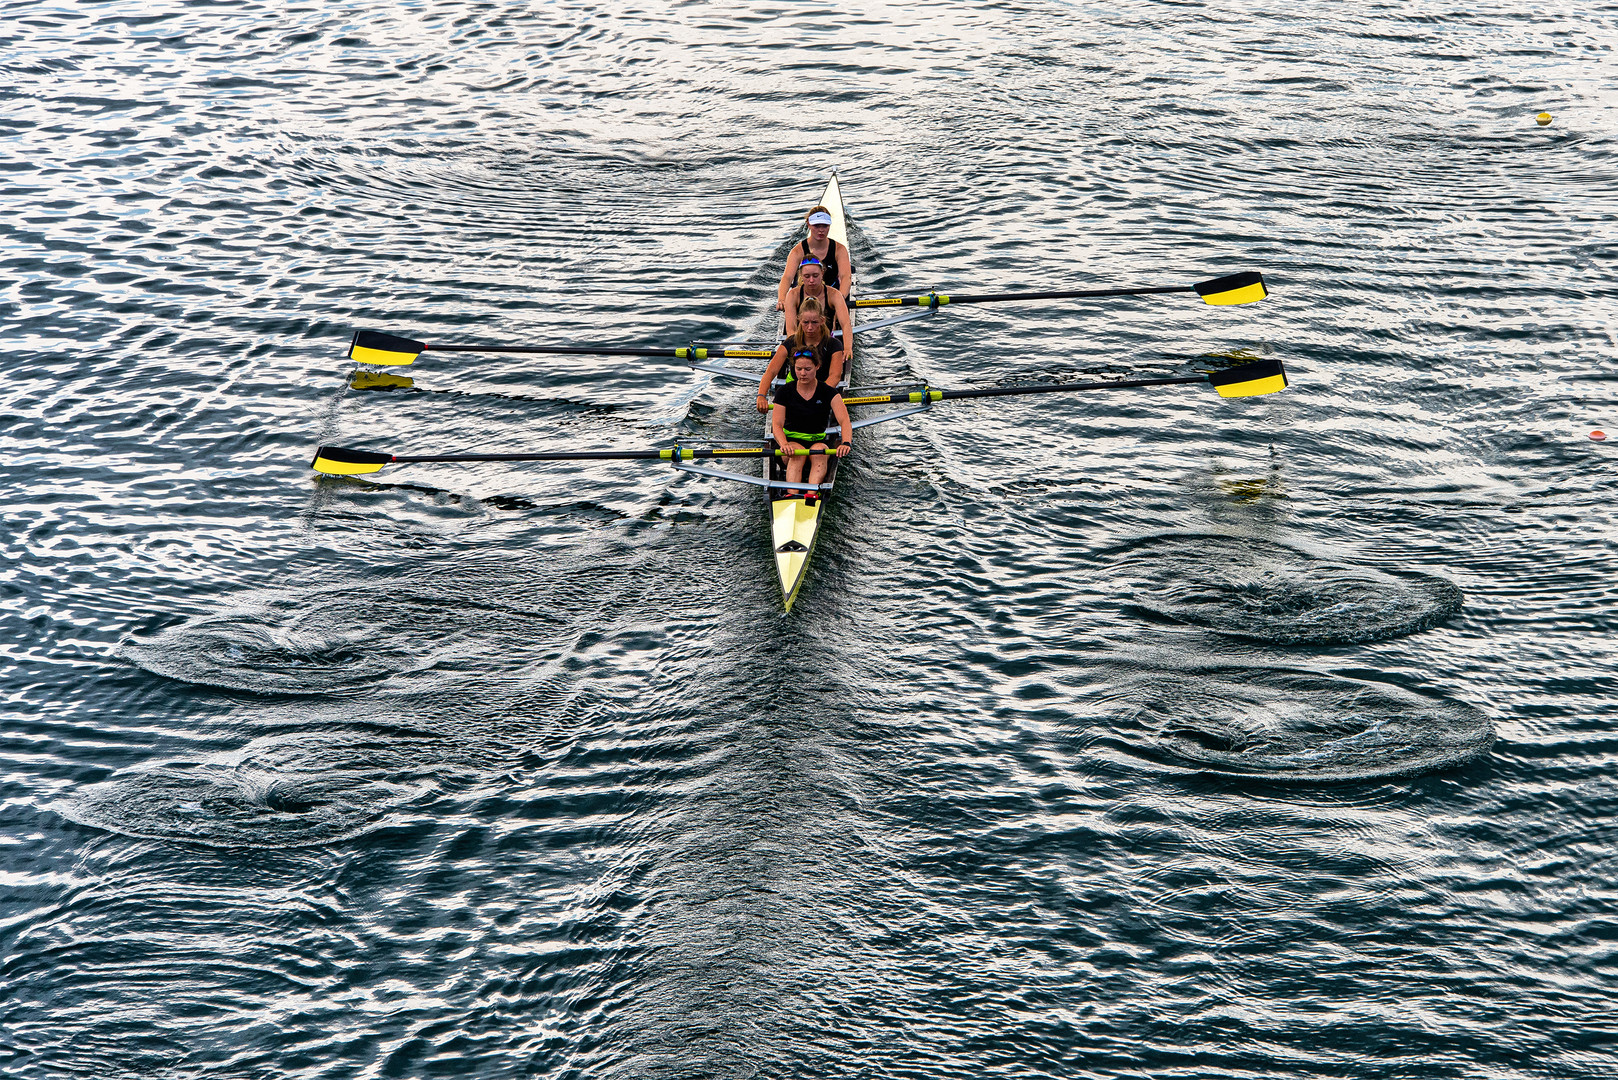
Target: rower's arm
[[770, 371], [779, 425], [787, 275], [791, 309], [839, 410], [845, 271], [846, 322]]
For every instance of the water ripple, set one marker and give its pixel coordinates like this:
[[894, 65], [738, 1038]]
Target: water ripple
[[520, 771]]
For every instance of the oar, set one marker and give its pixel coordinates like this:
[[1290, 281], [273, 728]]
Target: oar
[[1249, 380], [1242, 288], [342, 461], [373, 347]]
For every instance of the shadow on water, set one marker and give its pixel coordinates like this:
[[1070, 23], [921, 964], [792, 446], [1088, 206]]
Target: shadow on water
[[1260, 590]]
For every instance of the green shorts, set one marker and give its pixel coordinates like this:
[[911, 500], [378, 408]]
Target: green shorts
[[799, 436]]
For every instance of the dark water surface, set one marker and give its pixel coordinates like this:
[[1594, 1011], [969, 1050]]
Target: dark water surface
[[1131, 735]]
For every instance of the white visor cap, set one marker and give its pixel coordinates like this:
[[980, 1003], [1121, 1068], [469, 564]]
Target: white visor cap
[[820, 217]]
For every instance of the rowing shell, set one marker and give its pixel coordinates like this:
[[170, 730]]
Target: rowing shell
[[794, 524]]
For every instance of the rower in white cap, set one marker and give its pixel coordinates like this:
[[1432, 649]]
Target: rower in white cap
[[819, 244]]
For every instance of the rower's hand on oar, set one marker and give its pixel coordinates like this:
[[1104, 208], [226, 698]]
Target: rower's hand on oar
[[763, 403], [844, 448]]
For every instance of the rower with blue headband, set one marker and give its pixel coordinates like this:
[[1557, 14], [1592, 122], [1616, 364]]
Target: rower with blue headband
[[812, 286]]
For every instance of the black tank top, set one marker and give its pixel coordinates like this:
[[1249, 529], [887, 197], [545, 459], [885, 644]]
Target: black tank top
[[833, 274], [823, 351], [833, 320], [809, 415]]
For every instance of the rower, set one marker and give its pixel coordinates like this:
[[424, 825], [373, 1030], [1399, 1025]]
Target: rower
[[812, 340], [812, 285], [803, 409], [839, 271]]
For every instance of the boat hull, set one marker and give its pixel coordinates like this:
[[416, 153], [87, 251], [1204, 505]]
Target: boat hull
[[794, 523]]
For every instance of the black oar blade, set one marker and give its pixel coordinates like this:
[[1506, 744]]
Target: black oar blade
[[1242, 288], [370, 347], [1250, 380], [341, 461]]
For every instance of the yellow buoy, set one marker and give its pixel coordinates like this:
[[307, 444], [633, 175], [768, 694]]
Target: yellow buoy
[[1543, 118]]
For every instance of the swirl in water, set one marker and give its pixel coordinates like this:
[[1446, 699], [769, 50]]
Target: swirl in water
[[1286, 725], [1265, 591]]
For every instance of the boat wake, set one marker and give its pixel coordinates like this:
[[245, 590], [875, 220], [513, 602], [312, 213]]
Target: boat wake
[[1265, 591], [1286, 726]]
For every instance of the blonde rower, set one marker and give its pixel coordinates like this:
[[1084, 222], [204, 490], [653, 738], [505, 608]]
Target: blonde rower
[[812, 286], [811, 339], [804, 409], [834, 256]]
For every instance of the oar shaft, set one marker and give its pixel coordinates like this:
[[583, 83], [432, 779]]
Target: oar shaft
[[697, 353], [373, 347], [916, 397], [1059, 388], [986, 298], [599, 455], [686, 454], [1072, 294], [570, 350]]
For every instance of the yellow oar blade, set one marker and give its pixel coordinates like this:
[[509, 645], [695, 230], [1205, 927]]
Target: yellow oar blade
[[370, 347], [1250, 380], [340, 461], [1243, 288]]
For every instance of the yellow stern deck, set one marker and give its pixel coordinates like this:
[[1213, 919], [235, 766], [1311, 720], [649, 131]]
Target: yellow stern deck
[[793, 530]]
